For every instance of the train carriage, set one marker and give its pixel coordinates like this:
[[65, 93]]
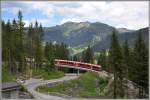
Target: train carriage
[[78, 64]]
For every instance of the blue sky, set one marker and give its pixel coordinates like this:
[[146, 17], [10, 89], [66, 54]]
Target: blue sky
[[132, 15]]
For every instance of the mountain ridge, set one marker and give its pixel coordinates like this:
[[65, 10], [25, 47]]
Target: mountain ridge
[[78, 35]]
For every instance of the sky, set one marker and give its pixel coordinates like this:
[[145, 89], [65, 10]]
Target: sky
[[125, 14]]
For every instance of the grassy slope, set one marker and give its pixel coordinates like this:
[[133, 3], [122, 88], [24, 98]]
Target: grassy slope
[[40, 73], [47, 75], [87, 85], [6, 76]]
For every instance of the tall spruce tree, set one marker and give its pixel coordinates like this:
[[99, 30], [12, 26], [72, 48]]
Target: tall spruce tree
[[9, 45], [38, 44], [141, 65], [75, 58], [116, 64], [30, 36], [87, 55], [30, 50], [14, 45], [126, 63], [21, 54], [102, 60], [4, 43]]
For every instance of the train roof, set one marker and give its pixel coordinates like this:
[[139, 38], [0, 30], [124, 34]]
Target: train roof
[[79, 62]]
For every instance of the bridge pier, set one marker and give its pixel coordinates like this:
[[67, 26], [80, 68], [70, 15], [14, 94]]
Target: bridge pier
[[78, 71]]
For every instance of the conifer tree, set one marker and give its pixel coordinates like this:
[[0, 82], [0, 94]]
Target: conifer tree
[[126, 63], [102, 60], [14, 45], [87, 55], [38, 44], [21, 54], [9, 45], [116, 64], [141, 64], [75, 58], [4, 43]]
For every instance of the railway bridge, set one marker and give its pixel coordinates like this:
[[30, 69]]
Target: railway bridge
[[78, 65]]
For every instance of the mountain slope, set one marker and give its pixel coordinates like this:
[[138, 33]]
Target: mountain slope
[[75, 34], [123, 30], [98, 35], [130, 36]]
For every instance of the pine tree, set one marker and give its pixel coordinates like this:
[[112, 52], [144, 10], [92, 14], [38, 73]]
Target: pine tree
[[141, 64], [64, 51], [30, 36], [4, 43], [126, 62], [14, 45], [46, 51], [38, 44], [30, 49], [9, 45], [21, 52], [116, 64], [75, 58], [41, 34], [102, 60], [87, 55]]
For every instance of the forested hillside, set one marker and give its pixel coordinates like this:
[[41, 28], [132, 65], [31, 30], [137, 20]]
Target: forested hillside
[[23, 52], [130, 36]]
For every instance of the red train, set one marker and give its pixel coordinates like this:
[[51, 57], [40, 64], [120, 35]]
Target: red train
[[78, 64]]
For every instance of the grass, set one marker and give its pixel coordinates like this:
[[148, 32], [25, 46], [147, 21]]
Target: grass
[[41, 73], [88, 85], [7, 77]]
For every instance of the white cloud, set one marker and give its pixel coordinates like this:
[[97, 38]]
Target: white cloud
[[46, 8], [129, 14], [43, 21], [71, 19]]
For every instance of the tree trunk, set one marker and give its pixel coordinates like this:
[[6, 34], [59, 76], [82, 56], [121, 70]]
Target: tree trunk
[[9, 62], [114, 84]]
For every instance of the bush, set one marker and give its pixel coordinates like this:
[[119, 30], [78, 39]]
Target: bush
[[23, 89]]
